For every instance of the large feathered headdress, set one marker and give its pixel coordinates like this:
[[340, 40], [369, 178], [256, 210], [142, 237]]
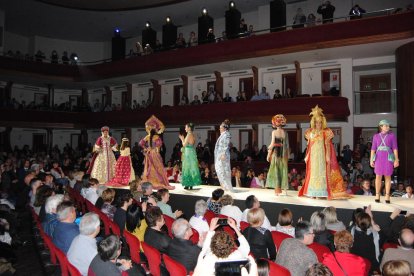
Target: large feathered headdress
[[317, 115], [153, 123]]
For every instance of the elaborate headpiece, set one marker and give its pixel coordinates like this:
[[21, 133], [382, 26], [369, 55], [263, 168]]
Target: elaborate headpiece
[[104, 128], [226, 124], [317, 115], [383, 122], [153, 123], [278, 120], [124, 139]]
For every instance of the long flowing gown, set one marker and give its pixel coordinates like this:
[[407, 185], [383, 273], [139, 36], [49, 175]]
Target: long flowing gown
[[277, 177], [190, 171], [124, 172], [222, 167], [323, 179], [103, 162], [154, 171]]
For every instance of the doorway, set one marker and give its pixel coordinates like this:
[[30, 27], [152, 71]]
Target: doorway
[[178, 93], [75, 140], [245, 137], [289, 81], [39, 141], [246, 85]]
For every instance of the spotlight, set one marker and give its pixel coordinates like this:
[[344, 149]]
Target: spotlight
[[147, 24], [168, 19], [204, 11], [117, 32], [75, 58], [232, 5]]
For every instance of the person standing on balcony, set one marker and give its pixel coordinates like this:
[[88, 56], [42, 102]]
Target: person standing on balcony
[[277, 156], [384, 158], [190, 171], [222, 156], [327, 11], [103, 162]]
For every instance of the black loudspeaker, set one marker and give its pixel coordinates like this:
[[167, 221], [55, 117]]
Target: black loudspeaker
[[205, 22], [169, 35], [149, 36], [277, 15], [233, 17], [118, 48]]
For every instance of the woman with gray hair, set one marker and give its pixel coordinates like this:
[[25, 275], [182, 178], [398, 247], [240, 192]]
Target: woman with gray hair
[[230, 210], [51, 219], [331, 219], [322, 235], [198, 221]]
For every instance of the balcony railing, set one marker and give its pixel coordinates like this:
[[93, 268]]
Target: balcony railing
[[375, 101]]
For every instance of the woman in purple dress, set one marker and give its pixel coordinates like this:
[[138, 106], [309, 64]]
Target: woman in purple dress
[[384, 158]]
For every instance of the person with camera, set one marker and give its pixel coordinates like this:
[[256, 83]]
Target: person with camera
[[219, 246], [327, 11]]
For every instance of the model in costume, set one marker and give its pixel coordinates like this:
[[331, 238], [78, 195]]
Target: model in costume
[[384, 158], [190, 172], [103, 161], [124, 172], [323, 175], [154, 171], [277, 156], [222, 156]]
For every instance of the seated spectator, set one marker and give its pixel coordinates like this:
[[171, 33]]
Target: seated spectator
[[292, 249], [322, 235], [365, 188], [299, 20], [318, 270], [107, 208], [240, 97], [206, 177], [184, 100], [65, 58], [163, 197], [404, 252], [400, 191], [196, 101], [83, 247], [35, 183], [230, 210], [77, 177], [135, 222], [66, 230], [91, 193], [54, 57], [124, 201], [259, 238], [147, 192], [51, 219], [289, 93], [252, 202], [243, 26], [213, 203], [396, 268], [227, 98], [219, 246], [210, 36], [180, 42], [331, 219], [138, 49], [356, 12], [204, 97], [192, 41], [250, 31], [366, 240], [42, 194], [198, 221], [284, 222], [181, 248], [256, 96], [153, 234], [99, 202], [136, 190], [277, 95], [258, 181], [409, 192], [106, 262], [58, 174], [236, 176], [342, 261]]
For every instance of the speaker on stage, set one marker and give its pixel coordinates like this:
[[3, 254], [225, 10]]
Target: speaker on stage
[[232, 17], [118, 47], [169, 34], [149, 36], [277, 15], [205, 22]]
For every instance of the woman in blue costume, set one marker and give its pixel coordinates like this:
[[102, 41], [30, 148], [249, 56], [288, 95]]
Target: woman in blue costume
[[222, 157], [190, 170]]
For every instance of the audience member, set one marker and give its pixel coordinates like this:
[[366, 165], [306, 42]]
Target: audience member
[[214, 203], [299, 20], [153, 234], [124, 201], [230, 210], [252, 202], [408, 192], [327, 11], [107, 208], [331, 219], [311, 20], [284, 222], [356, 12], [404, 252], [277, 95], [396, 268], [365, 188], [51, 218], [322, 235], [198, 221], [163, 197], [210, 35], [66, 230], [192, 41], [318, 270], [135, 222]]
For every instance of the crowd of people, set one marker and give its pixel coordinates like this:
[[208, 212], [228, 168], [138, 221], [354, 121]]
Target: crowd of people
[[40, 56]]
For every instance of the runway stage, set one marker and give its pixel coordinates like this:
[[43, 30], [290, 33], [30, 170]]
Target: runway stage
[[300, 206]]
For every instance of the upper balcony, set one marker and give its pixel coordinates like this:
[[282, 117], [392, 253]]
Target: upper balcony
[[346, 33]]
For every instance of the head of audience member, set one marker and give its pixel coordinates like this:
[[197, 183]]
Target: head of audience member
[[330, 215], [366, 185], [66, 212], [409, 190], [163, 195], [304, 232], [101, 189], [318, 221], [226, 200], [255, 217], [406, 238], [52, 202], [90, 225], [125, 200], [409, 222], [363, 221], [109, 248], [108, 195], [146, 188], [200, 208], [154, 218], [217, 194], [318, 269], [252, 202], [222, 244], [181, 229], [135, 186], [42, 194], [93, 183], [396, 268], [355, 213], [78, 175], [285, 217], [35, 183], [133, 217], [85, 180], [343, 241]]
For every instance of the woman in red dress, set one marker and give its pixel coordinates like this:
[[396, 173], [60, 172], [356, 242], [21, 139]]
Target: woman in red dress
[[124, 172]]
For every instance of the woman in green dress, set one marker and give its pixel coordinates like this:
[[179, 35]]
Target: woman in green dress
[[190, 174], [278, 155]]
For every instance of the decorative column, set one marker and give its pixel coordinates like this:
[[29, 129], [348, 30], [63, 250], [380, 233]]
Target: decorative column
[[298, 78], [219, 83], [156, 95]]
